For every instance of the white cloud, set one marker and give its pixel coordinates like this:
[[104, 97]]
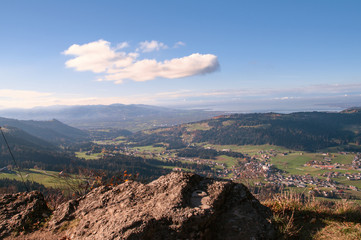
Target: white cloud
[[149, 69], [332, 88], [97, 57], [179, 44], [122, 45], [20, 94], [260, 93], [284, 98], [215, 99], [151, 46], [117, 66], [11, 98]]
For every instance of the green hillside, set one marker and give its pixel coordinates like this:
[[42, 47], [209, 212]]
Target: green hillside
[[19, 138], [306, 131]]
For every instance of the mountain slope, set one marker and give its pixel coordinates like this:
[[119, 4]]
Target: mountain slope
[[51, 131], [20, 139], [30, 151], [310, 131]]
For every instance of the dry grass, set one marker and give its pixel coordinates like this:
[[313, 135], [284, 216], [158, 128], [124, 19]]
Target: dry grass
[[340, 230], [300, 217]]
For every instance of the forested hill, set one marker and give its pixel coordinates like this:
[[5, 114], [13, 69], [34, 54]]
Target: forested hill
[[18, 138], [310, 131], [52, 131], [36, 142]]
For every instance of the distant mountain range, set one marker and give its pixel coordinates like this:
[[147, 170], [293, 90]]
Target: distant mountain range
[[130, 117]]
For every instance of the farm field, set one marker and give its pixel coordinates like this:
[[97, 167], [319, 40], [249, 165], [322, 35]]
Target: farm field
[[249, 149], [149, 148], [47, 178], [50, 179], [227, 160], [116, 141], [293, 163], [198, 126], [91, 156]]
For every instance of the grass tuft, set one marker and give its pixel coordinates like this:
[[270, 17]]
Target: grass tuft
[[300, 217]]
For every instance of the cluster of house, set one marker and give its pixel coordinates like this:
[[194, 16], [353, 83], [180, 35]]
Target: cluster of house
[[333, 174], [6, 170], [303, 181], [265, 155], [349, 176], [354, 176], [253, 169], [356, 162], [323, 164]]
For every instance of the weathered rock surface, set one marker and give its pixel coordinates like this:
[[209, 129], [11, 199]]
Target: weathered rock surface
[[175, 206], [21, 212]]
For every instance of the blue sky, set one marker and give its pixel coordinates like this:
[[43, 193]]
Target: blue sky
[[222, 55]]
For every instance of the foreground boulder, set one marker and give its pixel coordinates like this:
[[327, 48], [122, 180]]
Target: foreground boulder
[[175, 206], [22, 212]]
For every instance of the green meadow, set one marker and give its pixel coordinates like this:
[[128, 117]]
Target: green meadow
[[92, 156], [47, 178], [116, 141], [228, 161], [149, 148], [198, 126], [248, 149], [293, 163]]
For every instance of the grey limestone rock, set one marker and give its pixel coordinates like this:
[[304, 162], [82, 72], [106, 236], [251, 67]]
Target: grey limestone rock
[[175, 206], [21, 212]]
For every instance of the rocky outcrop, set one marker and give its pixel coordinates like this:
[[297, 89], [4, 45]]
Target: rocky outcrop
[[22, 212], [175, 206]]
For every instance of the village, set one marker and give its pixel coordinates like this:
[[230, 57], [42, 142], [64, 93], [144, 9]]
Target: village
[[258, 167]]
